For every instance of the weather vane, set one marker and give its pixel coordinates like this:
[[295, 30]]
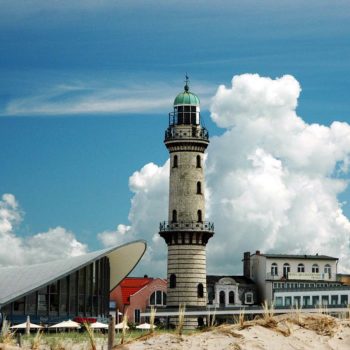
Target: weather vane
[[187, 79]]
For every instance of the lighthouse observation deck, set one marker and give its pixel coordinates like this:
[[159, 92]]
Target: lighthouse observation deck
[[167, 226]]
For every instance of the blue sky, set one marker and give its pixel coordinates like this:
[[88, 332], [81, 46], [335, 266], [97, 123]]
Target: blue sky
[[85, 90]]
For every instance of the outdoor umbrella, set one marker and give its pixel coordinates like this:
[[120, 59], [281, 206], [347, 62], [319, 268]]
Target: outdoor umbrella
[[120, 326], [66, 324], [24, 326], [97, 325], [145, 326]]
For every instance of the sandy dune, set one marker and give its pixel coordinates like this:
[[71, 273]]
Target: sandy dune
[[277, 333]]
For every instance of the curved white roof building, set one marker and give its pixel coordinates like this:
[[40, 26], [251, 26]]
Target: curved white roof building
[[76, 286]]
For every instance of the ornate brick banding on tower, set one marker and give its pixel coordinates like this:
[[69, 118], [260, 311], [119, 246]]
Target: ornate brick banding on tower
[[186, 232]]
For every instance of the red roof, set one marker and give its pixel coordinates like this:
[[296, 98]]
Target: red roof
[[131, 285]]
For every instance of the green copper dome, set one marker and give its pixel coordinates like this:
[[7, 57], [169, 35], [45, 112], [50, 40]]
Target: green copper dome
[[186, 98]]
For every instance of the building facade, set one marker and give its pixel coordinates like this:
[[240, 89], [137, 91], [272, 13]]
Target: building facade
[[231, 291], [297, 280], [135, 295], [186, 232], [72, 287]]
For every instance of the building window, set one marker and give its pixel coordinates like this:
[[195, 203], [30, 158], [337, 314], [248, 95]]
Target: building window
[[315, 300], [199, 187], [231, 297], [301, 268], [328, 270], [306, 300], [334, 299], [287, 301], [286, 270], [174, 216], [274, 269], [172, 283], [200, 290], [344, 299], [199, 216], [198, 161], [137, 315], [222, 298], [315, 268], [175, 163], [249, 298], [279, 301], [158, 298]]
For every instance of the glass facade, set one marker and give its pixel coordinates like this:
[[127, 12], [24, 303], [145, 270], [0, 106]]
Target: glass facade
[[83, 293]]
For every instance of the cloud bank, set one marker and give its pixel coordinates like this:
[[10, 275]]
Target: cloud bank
[[272, 179], [56, 243]]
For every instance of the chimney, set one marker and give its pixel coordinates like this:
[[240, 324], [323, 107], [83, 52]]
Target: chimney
[[246, 264], [257, 252]]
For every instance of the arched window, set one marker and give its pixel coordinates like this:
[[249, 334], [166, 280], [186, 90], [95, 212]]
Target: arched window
[[172, 281], [274, 269], [231, 297], [158, 298], [199, 187], [200, 290], [175, 161], [198, 161], [315, 268], [286, 270], [174, 216], [199, 216], [222, 298], [328, 270], [301, 268]]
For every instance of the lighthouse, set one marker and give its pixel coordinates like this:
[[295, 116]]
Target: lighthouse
[[186, 232]]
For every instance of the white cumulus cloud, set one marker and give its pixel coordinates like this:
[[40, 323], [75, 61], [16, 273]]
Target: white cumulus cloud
[[56, 243], [274, 180]]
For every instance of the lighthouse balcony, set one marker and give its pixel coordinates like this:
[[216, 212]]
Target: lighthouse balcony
[[195, 132], [206, 226]]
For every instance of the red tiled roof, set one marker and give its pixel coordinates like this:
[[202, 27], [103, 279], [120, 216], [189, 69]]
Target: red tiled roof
[[131, 285]]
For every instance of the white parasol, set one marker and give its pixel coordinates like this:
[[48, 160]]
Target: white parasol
[[120, 326], [145, 326], [24, 326], [66, 324], [97, 325]]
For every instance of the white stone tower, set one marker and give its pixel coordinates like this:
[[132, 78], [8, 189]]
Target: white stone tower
[[186, 232]]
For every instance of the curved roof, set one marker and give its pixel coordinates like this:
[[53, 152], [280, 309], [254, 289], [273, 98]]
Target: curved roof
[[186, 98], [18, 281]]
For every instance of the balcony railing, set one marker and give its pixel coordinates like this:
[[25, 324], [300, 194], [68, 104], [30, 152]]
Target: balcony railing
[[186, 226], [186, 132], [309, 276], [310, 289]]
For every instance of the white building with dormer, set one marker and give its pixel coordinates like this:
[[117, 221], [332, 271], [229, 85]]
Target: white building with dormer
[[296, 280]]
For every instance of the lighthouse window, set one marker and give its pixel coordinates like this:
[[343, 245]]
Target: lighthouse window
[[175, 162], [172, 282], [200, 290], [180, 115], [187, 115], [174, 216], [199, 188], [199, 161], [199, 216]]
